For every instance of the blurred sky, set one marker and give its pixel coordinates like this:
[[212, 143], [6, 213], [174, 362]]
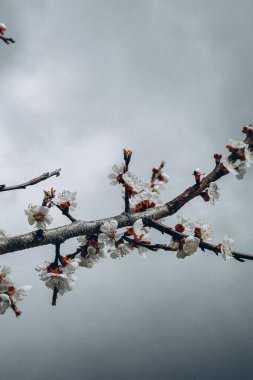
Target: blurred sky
[[171, 80]]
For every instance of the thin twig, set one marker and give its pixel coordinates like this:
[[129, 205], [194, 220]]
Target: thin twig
[[73, 255], [32, 182], [7, 40], [66, 213], [55, 294], [151, 247], [127, 157]]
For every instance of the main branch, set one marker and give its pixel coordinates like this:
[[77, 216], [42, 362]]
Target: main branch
[[60, 234]]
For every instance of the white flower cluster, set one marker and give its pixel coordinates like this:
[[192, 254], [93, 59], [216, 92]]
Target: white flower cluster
[[205, 230], [9, 294], [143, 194], [91, 251], [140, 234], [189, 245], [113, 239], [245, 155], [39, 215], [62, 278]]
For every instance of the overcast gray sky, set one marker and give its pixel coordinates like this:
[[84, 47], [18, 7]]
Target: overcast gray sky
[[170, 80]]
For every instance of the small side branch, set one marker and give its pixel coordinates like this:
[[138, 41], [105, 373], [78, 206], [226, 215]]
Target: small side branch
[[203, 245], [67, 214], [151, 247], [32, 182], [54, 298], [127, 157], [7, 40]]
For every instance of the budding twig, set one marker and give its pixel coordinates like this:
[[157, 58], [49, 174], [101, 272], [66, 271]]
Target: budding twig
[[203, 245], [127, 157], [157, 172], [32, 182], [151, 247]]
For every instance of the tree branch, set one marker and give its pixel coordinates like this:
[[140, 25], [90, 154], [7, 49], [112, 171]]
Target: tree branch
[[203, 245], [60, 234], [32, 182]]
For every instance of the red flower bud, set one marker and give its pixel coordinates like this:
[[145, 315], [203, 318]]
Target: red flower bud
[[218, 248], [205, 195], [217, 157], [181, 242], [64, 205], [179, 228], [197, 232], [64, 261]]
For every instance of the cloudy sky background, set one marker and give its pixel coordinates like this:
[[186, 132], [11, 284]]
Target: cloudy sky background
[[170, 80]]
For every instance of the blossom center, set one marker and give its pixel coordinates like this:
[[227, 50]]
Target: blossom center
[[39, 217]]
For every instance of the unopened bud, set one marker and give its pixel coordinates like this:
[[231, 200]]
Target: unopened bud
[[127, 154], [179, 228], [2, 29], [217, 157]]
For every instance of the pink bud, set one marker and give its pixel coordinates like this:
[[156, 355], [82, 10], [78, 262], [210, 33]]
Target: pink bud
[[2, 28]]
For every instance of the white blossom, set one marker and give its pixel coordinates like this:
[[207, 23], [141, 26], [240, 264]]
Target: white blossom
[[109, 233], [150, 196], [238, 170], [188, 224], [248, 157], [158, 186], [120, 251], [82, 240], [227, 247], [205, 231], [72, 265], [241, 170], [66, 199], [237, 144], [39, 215], [133, 181], [165, 177], [117, 170], [230, 166], [5, 303], [62, 277], [191, 245], [142, 251], [5, 279], [87, 262], [140, 231], [61, 281], [21, 292], [213, 192]]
